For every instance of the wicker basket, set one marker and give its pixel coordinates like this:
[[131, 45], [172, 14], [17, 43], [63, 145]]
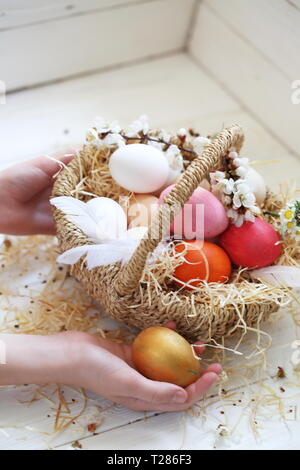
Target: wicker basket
[[120, 289]]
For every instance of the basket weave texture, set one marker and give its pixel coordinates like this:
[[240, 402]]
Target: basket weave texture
[[118, 288]]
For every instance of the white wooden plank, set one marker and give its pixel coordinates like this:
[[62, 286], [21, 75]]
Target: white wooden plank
[[259, 145], [249, 77], [234, 424], [272, 27], [167, 90], [17, 13], [69, 46], [31, 426]]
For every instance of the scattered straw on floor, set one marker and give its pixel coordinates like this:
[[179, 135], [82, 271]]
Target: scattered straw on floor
[[39, 297]]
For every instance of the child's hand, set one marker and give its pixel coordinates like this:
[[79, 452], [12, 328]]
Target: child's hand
[[25, 189], [106, 368], [99, 365]]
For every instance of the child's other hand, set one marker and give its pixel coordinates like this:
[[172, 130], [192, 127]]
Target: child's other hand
[[25, 190], [106, 368]]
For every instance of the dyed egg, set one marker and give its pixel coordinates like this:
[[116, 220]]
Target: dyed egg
[[141, 209], [253, 245], [203, 261], [202, 216], [162, 354], [257, 185], [139, 168]]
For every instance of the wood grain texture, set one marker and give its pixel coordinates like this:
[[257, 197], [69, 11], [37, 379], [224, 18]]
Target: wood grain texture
[[100, 39], [51, 118], [18, 13], [271, 27], [222, 424], [248, 76]]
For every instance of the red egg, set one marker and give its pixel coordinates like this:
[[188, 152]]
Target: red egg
[[253, 245], [203, 216]]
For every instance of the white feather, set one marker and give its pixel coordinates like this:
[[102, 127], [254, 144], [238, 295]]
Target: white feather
[[73, 255], [104, 222], [115, 251], [100, 219], [109, 253], [278, 275], [136, 233], [78, 213]]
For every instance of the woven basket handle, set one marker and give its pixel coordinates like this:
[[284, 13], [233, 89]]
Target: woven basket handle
[[211, 159]]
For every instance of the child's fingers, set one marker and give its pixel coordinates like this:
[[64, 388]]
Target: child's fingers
[[199, 348], [216, 368], [139, 387], [171, 325], [195, 392], [25, 180], [198, 388]]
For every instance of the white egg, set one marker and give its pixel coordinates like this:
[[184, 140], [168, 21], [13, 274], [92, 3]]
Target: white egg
[[257, 185], [139, 168]]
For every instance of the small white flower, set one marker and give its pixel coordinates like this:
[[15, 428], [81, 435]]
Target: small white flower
[[242, 187], [163, 135], [239, 221], [114, 139], [237, 201], [219, 175], [290, 217], [174, 157], [233, 155], [255, 210], [173, 150], [92, 135], [199, 144], [103, 127], [241, 171], [140, 125], [248, 200], [228, 186], [232, 214], [249, 216], [226, 200], [182, 132], [157, 145], [241, 161], [241, 198]]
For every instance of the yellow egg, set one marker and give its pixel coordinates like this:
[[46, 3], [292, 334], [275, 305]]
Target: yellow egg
[[141, 209]]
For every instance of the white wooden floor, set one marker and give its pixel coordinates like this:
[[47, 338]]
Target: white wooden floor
[[175, 93]]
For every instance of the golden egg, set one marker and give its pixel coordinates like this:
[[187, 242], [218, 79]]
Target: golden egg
[[162, 354]]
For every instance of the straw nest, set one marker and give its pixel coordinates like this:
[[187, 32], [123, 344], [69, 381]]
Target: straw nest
[[143, 293]]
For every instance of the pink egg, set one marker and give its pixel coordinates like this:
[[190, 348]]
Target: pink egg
[[203, 216]]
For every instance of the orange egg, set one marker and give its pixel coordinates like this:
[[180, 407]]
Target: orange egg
[[204, 261], [162, 354]]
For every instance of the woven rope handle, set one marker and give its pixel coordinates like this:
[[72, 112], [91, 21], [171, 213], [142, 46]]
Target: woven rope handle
[[211, 159]]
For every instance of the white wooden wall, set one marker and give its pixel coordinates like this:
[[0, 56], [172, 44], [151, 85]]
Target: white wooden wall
[[41, 41], [252, 48]]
